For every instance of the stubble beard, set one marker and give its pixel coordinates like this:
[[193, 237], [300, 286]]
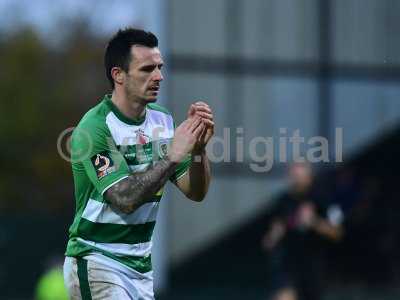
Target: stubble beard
[[133, 97]]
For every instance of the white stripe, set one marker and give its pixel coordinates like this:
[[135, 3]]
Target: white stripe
[[120, 267], [113, 184], [141, 249], [139, 168], [100, 212], [135, 168], [157, 125]]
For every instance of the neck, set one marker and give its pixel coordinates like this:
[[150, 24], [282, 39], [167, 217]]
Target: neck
[[132, 110]]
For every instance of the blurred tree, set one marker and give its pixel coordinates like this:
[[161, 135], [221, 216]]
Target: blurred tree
[[44, 90]]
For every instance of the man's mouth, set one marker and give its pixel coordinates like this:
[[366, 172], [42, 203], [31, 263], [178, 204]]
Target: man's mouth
[[154, 88]]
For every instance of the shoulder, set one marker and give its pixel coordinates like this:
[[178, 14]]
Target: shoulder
[[92, 128], [95, 118]]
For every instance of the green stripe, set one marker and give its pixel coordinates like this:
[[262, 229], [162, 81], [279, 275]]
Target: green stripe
[[182, 168], [115, 233], [156, 198], [83, 279], [138, 263]]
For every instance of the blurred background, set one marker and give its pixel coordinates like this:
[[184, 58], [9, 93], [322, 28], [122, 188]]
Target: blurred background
[[327, 68]]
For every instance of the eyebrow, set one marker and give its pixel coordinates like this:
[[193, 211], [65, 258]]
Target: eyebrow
[[151, 65]]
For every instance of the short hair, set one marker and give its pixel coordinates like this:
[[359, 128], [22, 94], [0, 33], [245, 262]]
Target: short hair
[[118, 51]]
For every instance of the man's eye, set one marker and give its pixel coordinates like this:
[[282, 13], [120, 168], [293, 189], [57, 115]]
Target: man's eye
[[151, 68]]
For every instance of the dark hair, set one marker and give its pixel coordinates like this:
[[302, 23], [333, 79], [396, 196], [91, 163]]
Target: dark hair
[[118, 51]]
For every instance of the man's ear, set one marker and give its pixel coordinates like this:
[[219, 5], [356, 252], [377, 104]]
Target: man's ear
[[118, 75]]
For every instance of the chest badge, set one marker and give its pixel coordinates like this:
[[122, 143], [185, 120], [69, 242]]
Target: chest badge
[[141, 137]]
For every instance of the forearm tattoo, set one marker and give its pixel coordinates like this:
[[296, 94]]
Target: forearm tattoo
[[137, 189]]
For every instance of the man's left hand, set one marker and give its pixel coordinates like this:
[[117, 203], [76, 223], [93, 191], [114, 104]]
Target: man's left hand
[[204, 111]]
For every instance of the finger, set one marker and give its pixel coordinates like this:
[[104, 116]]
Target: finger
[[208, 123], [191, 111], [209, 133], [201, 103], [198, 130], [204, 115], [188, 122], [194, 124], [203, 108], [203, 138]]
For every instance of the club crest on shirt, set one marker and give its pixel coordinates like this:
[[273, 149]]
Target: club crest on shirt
[[141, 137], [163, 146], [103, 164]]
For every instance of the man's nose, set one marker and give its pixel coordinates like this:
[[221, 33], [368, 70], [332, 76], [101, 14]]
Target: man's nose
[[158, 76]]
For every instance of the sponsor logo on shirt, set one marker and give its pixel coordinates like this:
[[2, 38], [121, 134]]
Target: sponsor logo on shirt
[[141, 137], [103, 164]]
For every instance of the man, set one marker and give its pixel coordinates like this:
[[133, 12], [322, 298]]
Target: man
[[123, 152], [299, 222]]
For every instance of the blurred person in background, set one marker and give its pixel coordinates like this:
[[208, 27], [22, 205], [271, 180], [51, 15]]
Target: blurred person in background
[[123, 152], [50, 285], [299, 220]]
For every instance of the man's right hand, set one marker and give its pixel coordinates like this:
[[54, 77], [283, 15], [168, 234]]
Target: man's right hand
[[185, 138]]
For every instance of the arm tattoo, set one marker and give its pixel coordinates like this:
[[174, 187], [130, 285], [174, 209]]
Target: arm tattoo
[[137, 189]]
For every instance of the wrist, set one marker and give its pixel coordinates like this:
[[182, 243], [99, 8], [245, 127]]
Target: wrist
[[198, 155], [200, 150]]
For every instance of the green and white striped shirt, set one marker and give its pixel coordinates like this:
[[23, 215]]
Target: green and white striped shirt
[[107, 147]]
